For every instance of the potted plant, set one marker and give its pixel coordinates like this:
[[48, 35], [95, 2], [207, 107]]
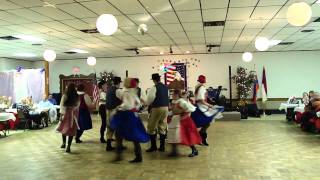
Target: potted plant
[[244, 81]]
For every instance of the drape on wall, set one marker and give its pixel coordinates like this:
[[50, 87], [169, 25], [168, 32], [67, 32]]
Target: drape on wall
[[27, 82], [7, 84]]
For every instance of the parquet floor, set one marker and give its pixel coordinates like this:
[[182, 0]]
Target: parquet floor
[[238, 150]]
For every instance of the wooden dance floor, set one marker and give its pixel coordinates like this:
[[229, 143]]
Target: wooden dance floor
[[238, 150]]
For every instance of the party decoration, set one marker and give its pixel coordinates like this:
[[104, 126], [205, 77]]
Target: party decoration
[[49, 55], [107, 24], [299, 14], [262, 43], [76, 70], [247, 56], [91, 61], [19, 68]]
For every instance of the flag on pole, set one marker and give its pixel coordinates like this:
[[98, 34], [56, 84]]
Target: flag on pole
[[255, 89], [264, 90], [95, 93]]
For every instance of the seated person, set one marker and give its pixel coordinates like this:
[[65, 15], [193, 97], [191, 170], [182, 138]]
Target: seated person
[[52, 100], [47, 109], [307, 118], [5, 102], [305, 98], [29, 113]]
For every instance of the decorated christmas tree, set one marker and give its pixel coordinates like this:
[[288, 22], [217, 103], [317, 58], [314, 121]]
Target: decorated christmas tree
[[243, 80], [107, 76]]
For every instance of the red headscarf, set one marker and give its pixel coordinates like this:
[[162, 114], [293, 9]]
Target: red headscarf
[[133, 83], [202, 79]]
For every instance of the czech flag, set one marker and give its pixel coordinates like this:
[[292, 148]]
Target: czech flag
[[264, 86]]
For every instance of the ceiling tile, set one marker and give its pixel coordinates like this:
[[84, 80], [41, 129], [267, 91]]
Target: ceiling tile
[[77, 24], [256, 23], [265, 12], [101, 7], [77, 10], [172, 27], [272, 2], [13, 19], [239, 13], [165, 17], [189, 16], [208, 4], [235, 24], [195, 34], [53, 13], [128, 6], [142, 19], [180, 5], [157, 6], [243, 3], [31, 15], [5, 5], [192, 26], [28, 3], [214, 14]]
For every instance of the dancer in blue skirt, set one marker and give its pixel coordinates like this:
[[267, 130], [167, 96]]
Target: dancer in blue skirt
[[205, 112], [126, 122], [86, 104]]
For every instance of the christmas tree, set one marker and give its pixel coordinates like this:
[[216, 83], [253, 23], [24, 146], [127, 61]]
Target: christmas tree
[[107, 76], [244, 81]]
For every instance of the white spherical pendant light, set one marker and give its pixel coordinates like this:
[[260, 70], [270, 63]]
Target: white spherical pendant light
[[247, 56], [299, 14], [107, 24], [262, 43], [91, 61], [49, 55]]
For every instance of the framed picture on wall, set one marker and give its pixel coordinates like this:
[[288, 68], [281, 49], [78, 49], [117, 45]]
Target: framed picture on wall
[[87, 80]]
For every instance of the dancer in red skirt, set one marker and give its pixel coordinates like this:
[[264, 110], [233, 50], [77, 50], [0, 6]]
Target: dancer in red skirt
[[181, 129], [69, 109]]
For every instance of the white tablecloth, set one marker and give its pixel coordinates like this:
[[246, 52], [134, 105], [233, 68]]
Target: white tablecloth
[[3, 106], [6, 117], [285, 106], [11, 110], [299, 109]]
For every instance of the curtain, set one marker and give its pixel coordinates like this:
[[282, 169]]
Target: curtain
[[19, 85], [7, 84]]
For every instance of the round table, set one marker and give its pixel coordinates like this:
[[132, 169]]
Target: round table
[[4, 118]]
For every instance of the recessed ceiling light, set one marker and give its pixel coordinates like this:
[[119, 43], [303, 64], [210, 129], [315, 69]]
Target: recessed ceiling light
[[29, 38], [308, 30], [187, 52], [274, 42], [25, 55], [161, 52], [80, 51]]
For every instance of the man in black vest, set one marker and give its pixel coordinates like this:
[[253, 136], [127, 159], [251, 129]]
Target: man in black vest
[[158, 99], [113, 101]]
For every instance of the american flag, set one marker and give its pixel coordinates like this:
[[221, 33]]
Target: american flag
[[95, 92], [173, 70]]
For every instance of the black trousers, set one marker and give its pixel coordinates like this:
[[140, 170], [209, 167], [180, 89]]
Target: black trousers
[[119, 147], [204, 128], [103, 115]]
